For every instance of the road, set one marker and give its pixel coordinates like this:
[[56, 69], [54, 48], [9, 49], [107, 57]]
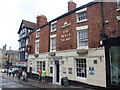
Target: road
[[5, 83]]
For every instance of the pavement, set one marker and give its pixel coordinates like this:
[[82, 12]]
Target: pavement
[[38, 84]]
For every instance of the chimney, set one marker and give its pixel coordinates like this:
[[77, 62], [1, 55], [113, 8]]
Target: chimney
[[41, 20], [71, 5]]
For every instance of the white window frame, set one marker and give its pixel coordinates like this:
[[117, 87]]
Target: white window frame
[[40, 65], [78, 29], [53, 23], [51, 37], [36, 48], [118, 5], [80, 11], [37, 33], [85, 73]]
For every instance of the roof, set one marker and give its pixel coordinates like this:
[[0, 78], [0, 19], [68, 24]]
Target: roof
[[27, 24], [68, 13]]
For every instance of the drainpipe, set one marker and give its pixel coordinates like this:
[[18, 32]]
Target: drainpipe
[[102, 33]]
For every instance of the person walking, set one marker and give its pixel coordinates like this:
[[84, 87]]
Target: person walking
[[43, 75], [13, 73], [19, 74], [24, 75], [9, 72], [40, 78]]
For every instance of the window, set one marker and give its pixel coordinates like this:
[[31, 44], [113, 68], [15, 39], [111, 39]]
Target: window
[[82, 16], [118, 3], [37, 33], [40, 65], [114, 55], [53, 43], [81, 68], [37, 46], [53, 27], [82, 38]]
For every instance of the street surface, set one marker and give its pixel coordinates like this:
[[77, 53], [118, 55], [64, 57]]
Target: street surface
[[4, 83]]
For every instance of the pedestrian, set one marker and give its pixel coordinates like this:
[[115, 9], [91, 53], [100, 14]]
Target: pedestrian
[[19, 74], [13, 73], [43, 75], [24, 75], [9, 72], [40, 72]]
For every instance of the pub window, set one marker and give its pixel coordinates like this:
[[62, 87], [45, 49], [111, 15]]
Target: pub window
[[81, 68], [40, 65]]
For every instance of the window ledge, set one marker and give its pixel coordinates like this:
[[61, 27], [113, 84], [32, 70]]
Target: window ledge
[[118, 9], [52, 50], [82, 21], [83, 47], [53, 31], [83, 78]]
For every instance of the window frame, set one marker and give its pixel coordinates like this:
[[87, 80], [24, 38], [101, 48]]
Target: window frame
[[53, 23], [40, 65], [37, 49], [83, 65], [51, 43], [37, 33], [79, 12], [82, 28]]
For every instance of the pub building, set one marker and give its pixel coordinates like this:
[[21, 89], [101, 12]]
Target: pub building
[[82, 45]]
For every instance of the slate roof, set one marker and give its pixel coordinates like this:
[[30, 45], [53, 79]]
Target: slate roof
[[27, 24]]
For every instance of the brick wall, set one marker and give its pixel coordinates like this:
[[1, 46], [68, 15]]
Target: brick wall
[[94, 23], [44, 39]]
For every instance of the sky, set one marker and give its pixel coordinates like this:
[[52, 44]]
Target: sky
[[12, 12]]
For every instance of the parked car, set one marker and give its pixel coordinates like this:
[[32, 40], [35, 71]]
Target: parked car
[[3, 70]]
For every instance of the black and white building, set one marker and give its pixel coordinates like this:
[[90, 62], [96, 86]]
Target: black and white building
[[25, 28]]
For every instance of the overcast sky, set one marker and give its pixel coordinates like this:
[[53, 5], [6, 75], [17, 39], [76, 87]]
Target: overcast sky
[[13, 11]]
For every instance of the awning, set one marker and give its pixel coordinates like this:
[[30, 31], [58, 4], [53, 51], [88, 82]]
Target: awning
[[23, 64]]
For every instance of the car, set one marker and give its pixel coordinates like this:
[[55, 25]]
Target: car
[[15, 69], [3, 70]]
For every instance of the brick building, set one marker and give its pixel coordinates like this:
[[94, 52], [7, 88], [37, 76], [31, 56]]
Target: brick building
[[78, 45]]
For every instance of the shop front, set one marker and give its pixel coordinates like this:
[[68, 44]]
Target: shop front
[[22, 65], [112, 51]]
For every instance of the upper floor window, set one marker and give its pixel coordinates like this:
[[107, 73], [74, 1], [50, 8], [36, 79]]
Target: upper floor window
[[53, 26], [118, 3], [53, 42], [37, 33], [81, 68], [82, 15], [37, 46], [82, 36]]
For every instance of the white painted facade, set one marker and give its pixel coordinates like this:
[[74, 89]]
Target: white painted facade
[[67, 60]]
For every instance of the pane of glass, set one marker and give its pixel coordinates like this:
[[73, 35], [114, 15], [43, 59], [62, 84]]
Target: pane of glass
[[114, 53]]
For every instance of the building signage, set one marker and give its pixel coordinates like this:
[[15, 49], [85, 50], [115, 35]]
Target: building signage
[[64, 70], [20, 63], [56, 57], [91, 70], [66, 24], [66, 36], [70, 70]]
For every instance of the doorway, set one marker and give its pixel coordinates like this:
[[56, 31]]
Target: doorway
[[56, 75]]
